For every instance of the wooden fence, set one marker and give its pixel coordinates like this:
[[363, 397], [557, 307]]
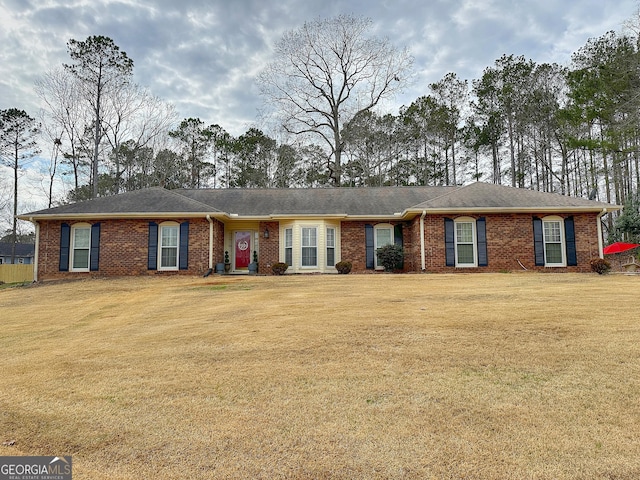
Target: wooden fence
[[16, 273]]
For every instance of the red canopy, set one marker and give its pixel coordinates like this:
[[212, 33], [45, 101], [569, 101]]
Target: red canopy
[[619, 247]]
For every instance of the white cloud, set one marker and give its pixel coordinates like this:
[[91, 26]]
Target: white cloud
[[203, 55]]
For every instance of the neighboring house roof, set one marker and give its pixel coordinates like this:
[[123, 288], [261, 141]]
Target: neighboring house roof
[[22, 249], [391, 202]]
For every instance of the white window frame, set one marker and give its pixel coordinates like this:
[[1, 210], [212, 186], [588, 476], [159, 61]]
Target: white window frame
[[546, 240], [288, 246], [330, 245], [376, 245], [73, 247], [161, 246], [303, 246], [291, 245], [474, 241]]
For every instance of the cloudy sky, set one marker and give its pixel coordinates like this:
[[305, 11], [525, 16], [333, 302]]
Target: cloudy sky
[[203, 55]]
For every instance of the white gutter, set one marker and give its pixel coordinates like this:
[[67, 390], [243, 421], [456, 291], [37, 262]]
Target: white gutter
[[119, 216], [210, 241], [422, 246], [478, 210], [599, 220], [36, 250]]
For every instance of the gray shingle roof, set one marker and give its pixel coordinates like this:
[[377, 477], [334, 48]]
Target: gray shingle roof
[[22, 249], [486, 195], [148, 200], [374, 201], [362, 202]]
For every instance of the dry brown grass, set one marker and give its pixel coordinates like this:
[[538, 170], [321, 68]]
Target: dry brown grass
[[509, 376]]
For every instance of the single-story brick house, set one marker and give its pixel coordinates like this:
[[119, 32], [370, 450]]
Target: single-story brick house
[[474, 228]]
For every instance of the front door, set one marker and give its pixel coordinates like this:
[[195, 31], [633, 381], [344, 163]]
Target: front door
[[242, 250]]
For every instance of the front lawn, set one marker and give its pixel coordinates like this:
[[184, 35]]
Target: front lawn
[[479, 376]]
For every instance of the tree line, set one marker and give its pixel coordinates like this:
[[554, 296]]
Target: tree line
[[573, 130]]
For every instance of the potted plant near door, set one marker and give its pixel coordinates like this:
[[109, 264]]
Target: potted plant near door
[[227, 262], [253, 266]]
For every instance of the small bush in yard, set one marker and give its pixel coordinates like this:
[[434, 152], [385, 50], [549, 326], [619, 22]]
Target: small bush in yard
[[600, 266], [279, 268], [390, 256], [343, 267]]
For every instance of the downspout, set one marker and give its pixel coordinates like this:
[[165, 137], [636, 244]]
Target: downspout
[[422, 245], [36, 250], [210, 242], [599, 220]]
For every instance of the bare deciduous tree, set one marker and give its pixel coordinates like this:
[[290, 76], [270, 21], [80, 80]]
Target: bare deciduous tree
[[132, 114], [64, 112], [327, 72]]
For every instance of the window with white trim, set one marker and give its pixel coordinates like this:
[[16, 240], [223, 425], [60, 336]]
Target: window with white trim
[[553, 233], [168, 243], [465, 242], [330, 242], [288, 246], [310, 245], [309, 236], [383, 235], [80, 247]]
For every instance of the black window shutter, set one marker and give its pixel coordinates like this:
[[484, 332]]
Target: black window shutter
[[570, 240], [538, 242], [481, 232], [94, 257], [184, 246], [152, 260], [397, 239], [450, 248], [65, 239], [368, 240]]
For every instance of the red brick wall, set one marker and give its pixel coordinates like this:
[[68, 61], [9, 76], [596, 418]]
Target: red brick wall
[[269, 247], [124, 246], [509, 240], [352, 244]]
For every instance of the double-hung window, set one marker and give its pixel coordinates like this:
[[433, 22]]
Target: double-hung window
[[168, 250], [331, 246], [383, 236], [288, 246], [80, 248], [553, 243], [465, 244], [309, 246]]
